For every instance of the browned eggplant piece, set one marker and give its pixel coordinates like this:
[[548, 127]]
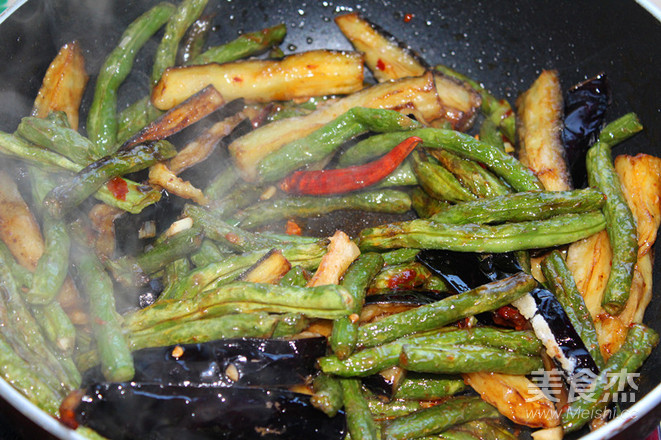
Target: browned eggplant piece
[[386, 57], [227, 362], [585, 114], [539, 128], [197, 107], [467, 270], [147, 410]]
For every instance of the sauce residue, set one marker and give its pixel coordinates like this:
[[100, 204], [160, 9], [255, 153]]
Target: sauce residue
[[118, 187]]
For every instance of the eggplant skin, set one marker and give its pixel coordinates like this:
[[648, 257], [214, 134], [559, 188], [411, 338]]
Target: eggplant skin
[[585, 114], [153, 411], [404, 297], [464, 271], [566, 349], [253, 361]]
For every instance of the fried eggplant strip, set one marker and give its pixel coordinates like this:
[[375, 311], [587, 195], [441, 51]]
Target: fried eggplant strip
[[63, 85], [302, 75], [539, 129], [341, 253], [201, 147], [188, 112], [161, 175], [384, 56], [516, 397]]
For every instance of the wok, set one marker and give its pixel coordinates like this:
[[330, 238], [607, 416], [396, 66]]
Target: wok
[[504, 45]]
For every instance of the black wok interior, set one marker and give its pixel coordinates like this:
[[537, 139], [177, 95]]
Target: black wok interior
[[504, 45]]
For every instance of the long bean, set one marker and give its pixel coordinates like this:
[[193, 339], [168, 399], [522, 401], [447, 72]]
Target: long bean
[[620, 224], [438, 418], [56, 325], [396, 408], [222, 272], [53, 265], [16, 147], [290, 324], [222, 183], [247, 325], [297, 276], [173, 272], [519, 177], [53, 320], [402, 176], [438, 182], [523, 206], [64, 140], [329, 301], [356, 279], [22, 276], [134, 117], [173, 248], [376, 358], [327, 394], [247, 44], [46, 133], [535, 234], [70, 194], [620, 129], [219, 273], [387, 200], [479, 181], [637, 347], [21, 375], [429, 387], [485, 429], [490, 134], [116, 360], [465, 359], [400, 256], [102, 120], [166, 53], [25, 335], [359, 418], [561, 282], [230, 236], [484, 298], [241, 196], [207, 253]]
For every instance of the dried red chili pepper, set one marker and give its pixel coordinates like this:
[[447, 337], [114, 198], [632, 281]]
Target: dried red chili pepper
[[326, 182]]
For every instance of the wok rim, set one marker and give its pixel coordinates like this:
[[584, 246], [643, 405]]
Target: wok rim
[[54, 427]]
